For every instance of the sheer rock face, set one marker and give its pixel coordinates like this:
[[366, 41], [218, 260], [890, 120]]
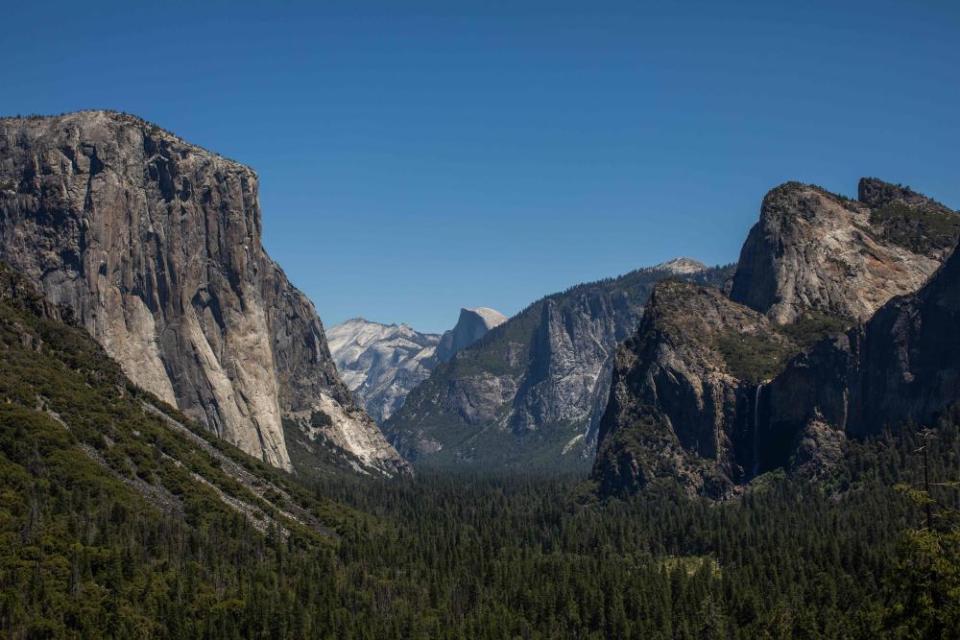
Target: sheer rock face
[[902, 365], [815, 250], [155, 245], [472, 325], [531, 391], [381, 363], [764, 396], [678, 409]]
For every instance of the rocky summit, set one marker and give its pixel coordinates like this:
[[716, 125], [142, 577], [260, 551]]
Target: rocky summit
[[813, 249], [155, 245], [530, 393], [381, 363], [472, 325], [714, 391]]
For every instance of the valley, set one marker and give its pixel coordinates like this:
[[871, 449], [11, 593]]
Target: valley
[[762, 449]]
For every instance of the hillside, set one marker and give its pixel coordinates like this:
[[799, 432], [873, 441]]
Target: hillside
[[109, 498]]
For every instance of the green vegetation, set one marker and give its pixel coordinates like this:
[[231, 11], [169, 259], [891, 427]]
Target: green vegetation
[[926, 599], [918, 229], [521, 557], [759, 357], [111, 526], [537, 451], [814, 326], [755, 357]]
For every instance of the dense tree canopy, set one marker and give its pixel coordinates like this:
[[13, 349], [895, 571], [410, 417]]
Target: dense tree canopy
[[470, 557], [113, 525]]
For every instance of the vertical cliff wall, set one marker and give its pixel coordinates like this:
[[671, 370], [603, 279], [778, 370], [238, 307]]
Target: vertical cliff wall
[[156, 246]]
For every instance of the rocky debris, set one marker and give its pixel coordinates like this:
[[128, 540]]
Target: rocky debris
[[472, 325], [816, 250], [155, 246], [381, 363], [532, 391]]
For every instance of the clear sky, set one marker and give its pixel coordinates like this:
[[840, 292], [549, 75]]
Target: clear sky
[[416, 157]]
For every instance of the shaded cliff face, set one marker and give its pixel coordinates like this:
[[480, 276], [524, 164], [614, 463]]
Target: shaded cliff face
[[682, 402], [902, 365], [155, 245], [472, 325], [530, 393], [381, 363], [813, 249], [764, 396]]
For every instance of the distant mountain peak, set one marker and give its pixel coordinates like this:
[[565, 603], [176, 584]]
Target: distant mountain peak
[[681, 266], [531, 392], [473, 324], [491, 317], [380, 362], [360, 321]]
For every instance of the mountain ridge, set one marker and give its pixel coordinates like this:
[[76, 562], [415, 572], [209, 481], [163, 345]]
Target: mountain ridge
[[530, 391]]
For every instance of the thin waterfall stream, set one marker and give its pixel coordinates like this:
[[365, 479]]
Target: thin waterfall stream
[[756, 428]]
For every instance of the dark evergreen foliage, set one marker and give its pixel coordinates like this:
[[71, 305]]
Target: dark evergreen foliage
[[86, 552]]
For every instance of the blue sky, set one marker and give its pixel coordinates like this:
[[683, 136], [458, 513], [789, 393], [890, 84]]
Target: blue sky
[[417, 157]]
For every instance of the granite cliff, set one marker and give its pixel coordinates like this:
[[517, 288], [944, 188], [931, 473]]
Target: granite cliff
[[714, 391], [155, 245], [815, 250], [903, 365], [472, 325]]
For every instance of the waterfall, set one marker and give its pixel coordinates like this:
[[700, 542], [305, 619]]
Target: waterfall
[[756, 428]]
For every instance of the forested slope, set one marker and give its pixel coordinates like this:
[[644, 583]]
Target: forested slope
[[119, 522]]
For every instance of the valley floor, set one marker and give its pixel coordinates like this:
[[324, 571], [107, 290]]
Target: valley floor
[[457, 556]]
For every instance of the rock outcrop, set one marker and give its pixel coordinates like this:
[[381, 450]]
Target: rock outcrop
[[903, 365], [531, 392], [712, 393], [154, 244], [682, 401], [381, 363], [472, 325], [816, 250]]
